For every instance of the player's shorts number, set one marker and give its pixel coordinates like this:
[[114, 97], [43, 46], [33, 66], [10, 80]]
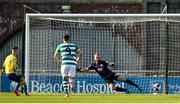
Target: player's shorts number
[[68, 50]]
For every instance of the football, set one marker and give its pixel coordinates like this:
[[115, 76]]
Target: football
[[156, 87]]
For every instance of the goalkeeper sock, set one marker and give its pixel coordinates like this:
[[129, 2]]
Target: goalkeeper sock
[[65, 85], [17, 87], [131, 82], [120, 89]]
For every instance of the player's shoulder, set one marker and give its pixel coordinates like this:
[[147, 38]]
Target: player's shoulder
[[73, 44], [10, 56], [59, 45], [67, 44], [62, 45]]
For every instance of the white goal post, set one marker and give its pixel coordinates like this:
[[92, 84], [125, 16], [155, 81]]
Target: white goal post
[[144, 47]]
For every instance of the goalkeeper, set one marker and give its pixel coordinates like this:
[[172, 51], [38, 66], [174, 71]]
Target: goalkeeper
[[101, 67], [10, 65]]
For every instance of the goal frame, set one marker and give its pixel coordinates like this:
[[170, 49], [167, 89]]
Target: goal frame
[[27, 27]]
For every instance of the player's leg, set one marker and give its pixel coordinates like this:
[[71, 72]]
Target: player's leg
[[17, 87], [24, 85], [65, 85], [112, 86], [64, 73], [71, 75], [21, 82], [15, 78], [120, 78], [118, 89], [71, 82]]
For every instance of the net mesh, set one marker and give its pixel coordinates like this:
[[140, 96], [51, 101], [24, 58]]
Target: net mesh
[[142, 48]]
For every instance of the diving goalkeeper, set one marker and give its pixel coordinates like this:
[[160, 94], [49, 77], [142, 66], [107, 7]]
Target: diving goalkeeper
[[10, 65], [101, 67]]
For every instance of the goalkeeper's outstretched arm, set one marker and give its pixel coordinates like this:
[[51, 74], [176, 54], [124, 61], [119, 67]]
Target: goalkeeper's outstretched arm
[[84, 70], [110, 63]]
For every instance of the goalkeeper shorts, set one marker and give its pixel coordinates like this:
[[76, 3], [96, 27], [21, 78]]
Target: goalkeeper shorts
[[111, 78]]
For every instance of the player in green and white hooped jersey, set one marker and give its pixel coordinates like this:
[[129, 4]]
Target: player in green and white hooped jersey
[[70, 56]]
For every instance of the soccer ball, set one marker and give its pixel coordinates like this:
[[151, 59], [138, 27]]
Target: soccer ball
[[156, 87]]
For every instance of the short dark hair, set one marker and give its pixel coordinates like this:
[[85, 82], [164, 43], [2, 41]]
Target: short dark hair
[[66, 37], [15, 47]]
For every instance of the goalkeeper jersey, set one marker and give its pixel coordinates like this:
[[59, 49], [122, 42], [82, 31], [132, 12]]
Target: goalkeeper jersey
[[10, 64], [68, 53], [102, 69]]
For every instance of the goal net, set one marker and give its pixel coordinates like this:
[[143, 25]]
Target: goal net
[[144, 47]]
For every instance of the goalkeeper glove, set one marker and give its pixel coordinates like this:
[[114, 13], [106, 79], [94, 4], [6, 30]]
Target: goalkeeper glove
[[111, 64]]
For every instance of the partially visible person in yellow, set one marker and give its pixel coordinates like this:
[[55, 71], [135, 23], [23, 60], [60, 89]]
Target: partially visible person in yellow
[[10, 62], [10, 65]]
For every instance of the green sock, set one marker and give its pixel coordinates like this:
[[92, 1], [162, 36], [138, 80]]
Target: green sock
[[65, 85]]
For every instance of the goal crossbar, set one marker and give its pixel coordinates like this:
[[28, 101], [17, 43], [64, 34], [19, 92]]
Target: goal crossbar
[[102, 15]]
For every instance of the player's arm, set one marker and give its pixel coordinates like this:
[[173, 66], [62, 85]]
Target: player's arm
[[4, 64], [83, 70], [56, 55], [79, 55], [86, 69], [57, 58], [109, 63], [15, 63]]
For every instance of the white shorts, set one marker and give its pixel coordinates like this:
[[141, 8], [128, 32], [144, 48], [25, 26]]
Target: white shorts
[[68, 70]]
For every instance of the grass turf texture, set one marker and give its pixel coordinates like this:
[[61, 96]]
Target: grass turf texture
[[89, 98]]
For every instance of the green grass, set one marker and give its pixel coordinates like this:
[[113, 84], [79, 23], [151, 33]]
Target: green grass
[[89, 98]]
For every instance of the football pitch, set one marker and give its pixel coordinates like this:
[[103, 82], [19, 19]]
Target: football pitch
[[90, 98]]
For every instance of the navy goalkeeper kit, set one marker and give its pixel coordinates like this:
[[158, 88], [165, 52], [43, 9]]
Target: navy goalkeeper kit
[[102, 69]]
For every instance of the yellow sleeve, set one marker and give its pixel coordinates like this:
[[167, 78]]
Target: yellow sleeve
[[10, 64], [4, 64], [15, 66]]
